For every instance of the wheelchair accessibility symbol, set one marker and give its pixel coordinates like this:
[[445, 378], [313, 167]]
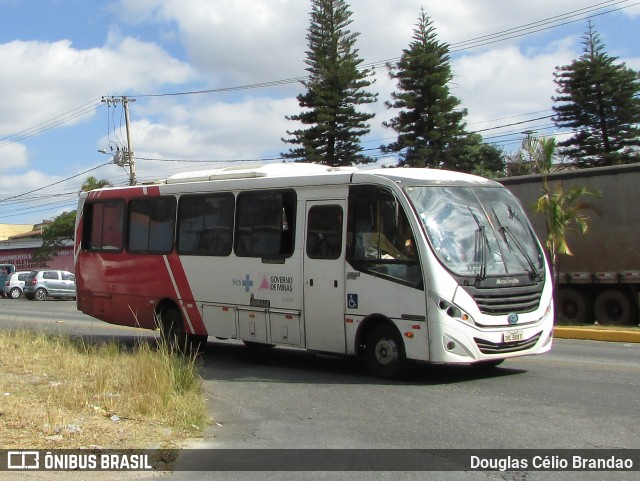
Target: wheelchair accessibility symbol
[[352, 301]]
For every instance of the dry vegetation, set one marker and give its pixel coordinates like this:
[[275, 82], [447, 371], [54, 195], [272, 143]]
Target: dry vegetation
[[59, 392]]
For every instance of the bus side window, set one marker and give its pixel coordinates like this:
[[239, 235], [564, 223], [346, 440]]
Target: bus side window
[[151, 224], [324, 232], [380, 239], [265, 224], [205, 224]]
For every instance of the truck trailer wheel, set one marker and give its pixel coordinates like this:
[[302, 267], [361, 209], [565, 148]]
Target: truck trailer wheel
[[573, 307], [614, 307]]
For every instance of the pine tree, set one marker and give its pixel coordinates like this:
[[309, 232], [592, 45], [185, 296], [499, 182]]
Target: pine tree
[[430, 124], [599, 100], [335, 88]]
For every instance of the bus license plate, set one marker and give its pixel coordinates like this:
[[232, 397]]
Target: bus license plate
[[512, 336]]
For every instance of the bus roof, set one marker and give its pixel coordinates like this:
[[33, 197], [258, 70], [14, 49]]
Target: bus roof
[[299, 169], [251, 171], [307, 174], [425, 176]]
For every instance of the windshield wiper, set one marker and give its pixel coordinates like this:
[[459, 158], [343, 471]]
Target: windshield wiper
[[480, 248], [505, 231]]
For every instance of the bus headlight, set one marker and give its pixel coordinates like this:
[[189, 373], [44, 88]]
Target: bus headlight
[[454, 312]]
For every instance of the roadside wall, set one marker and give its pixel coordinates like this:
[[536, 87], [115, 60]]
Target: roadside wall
[[23, 259]]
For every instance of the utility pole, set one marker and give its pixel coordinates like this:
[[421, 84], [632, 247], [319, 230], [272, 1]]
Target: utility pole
[[124, 159]]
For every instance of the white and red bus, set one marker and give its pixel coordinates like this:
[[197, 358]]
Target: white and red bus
[[388, 264]]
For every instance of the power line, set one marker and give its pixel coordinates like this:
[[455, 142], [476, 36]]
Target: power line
[[61, 119], [508, 34], [271, 83], [513, 123], [527, 29], [514, 32], [54, 183], [542, 25]]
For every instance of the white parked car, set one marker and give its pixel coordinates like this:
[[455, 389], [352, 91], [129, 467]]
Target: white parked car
[[14, 285]]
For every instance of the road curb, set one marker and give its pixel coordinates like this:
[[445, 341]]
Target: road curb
[[596, 334]]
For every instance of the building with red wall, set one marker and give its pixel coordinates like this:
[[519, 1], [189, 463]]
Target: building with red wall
[[20, 249]]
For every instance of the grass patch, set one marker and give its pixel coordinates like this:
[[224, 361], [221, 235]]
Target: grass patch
[[58, 391]]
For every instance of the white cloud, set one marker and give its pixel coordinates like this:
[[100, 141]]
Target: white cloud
[[25, 181], [507, 80], [236, 41], [12, 157], [244, 41], [240, 42], [182, 45], [215, 130], [42, 80]]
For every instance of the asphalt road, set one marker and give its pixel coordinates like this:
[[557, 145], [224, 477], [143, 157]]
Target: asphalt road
[[581, 395], [59, 315]]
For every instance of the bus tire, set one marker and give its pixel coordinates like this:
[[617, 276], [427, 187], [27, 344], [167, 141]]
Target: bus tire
[[613, 307], [385, 352], [573, 307], [174, 335]]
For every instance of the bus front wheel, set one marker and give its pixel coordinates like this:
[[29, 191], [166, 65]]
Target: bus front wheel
[[385, 352]]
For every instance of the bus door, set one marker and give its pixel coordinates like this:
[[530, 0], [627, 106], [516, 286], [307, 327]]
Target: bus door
[[324, 275]]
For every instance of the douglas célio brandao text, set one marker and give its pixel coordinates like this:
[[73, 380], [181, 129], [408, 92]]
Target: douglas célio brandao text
[[574, 462]]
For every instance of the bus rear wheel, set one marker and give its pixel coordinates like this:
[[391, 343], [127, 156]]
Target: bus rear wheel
[[174, 335], [385, 352]]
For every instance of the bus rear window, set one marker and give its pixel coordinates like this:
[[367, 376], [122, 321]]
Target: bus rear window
[[103, 226]]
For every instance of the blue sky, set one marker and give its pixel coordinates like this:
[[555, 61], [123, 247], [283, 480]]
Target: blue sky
[[60, 57]]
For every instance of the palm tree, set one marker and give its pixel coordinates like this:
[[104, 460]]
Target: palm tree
[[564, 211], [92, 183]]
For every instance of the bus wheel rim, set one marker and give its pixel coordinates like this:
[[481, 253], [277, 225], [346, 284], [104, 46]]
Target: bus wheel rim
[[386, 352]]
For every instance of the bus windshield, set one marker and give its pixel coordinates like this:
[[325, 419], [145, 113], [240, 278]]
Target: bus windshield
[[477, 231]]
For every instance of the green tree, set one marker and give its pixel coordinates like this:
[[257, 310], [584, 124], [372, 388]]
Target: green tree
[[599, 99], [92, 183], [476, 157], [564, 211], [335, 87], [429, 123], [56, 235]]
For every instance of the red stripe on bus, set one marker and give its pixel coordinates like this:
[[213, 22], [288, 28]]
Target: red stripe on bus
[[185, 294]]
